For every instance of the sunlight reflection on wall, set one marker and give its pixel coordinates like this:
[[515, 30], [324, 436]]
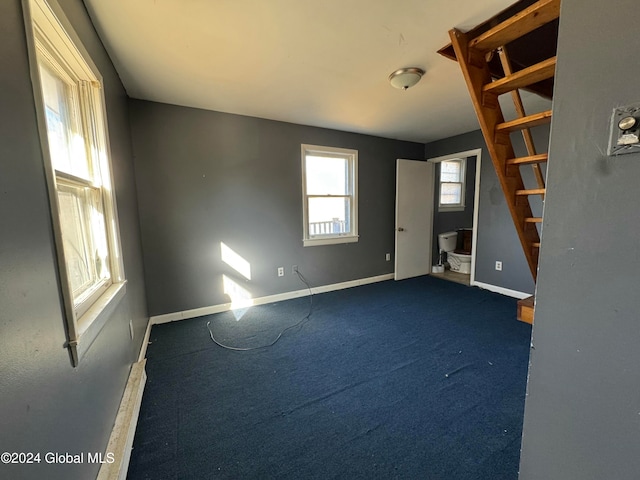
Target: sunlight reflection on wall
[[241, 299]]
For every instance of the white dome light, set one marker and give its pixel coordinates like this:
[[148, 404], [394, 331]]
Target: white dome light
[[406, 77]]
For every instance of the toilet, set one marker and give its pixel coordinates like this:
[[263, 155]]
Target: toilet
[[457, 246]]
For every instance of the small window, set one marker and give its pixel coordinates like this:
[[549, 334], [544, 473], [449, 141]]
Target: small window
[[452, 176], [329, 189], [68, 91]]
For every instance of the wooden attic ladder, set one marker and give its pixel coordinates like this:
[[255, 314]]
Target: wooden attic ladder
[[473, 55]]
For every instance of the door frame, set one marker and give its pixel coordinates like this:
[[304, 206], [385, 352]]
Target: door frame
[[476, 199]]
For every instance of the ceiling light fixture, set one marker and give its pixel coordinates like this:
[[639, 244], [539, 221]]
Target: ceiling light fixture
[[406, 77]]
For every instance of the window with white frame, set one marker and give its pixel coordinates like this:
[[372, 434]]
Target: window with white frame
[[69, 98], [452, 184], [329, 190]]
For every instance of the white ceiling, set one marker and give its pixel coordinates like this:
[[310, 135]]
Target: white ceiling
[[314, 62]]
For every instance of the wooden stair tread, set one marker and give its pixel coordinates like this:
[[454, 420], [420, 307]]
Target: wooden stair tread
[[533, 219], [520, 24], [523, 78], [526, 310], [522, 123], [531, 191], [535, 244], [540, 158]]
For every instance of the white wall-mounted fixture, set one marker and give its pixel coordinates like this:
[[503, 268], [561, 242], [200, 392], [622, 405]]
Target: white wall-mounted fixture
[[406, 77]]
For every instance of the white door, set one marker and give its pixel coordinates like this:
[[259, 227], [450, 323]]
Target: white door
[[414, 218]]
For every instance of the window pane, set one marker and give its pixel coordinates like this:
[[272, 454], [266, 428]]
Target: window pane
[[66, 144], [329, 216], [100, 253], [327, 175], [450, 194], [84, 237], [450, 171]]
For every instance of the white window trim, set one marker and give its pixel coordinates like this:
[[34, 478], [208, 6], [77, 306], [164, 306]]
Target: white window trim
[[351, 237], [463, 175], [46, 20]]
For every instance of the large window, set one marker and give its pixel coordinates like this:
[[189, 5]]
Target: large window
[[329, 188], [68, 91], [452, 178]]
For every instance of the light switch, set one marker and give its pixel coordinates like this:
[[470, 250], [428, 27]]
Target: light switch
[[624, 135]]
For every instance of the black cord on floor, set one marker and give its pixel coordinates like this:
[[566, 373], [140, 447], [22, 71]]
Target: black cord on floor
[[297, 324]]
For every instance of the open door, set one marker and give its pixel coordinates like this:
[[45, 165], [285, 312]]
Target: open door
[[414, 218]]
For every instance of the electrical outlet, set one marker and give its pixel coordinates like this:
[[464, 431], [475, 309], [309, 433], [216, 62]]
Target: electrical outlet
[[294, 269], [387, 257], [498, 265], [281, 271]]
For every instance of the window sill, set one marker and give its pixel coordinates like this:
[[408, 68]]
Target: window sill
[[451, 209], [90, 324], [313, 242]]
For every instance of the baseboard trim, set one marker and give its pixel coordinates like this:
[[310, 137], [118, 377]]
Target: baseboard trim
[[199, 312], [145, 341], [121, 440], [501, 290]]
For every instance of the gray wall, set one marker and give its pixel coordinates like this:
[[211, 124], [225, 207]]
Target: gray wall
[[582, 414], [452, 221], [207, 177], [45, 404], [496, 237]]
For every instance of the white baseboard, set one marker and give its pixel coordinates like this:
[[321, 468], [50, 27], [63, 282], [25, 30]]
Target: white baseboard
[[121, 440], [501, 290], [199, 312], [145, 341]]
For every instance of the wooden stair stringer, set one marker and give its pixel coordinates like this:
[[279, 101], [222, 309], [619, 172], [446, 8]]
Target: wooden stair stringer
[[476, 74]]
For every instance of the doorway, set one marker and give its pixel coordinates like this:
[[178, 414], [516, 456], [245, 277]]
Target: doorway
[[442, 223]]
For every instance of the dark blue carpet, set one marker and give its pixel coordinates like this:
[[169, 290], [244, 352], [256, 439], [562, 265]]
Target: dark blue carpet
[[418, 379]]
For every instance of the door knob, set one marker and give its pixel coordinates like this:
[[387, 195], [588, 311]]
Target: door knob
[[400, 229]]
